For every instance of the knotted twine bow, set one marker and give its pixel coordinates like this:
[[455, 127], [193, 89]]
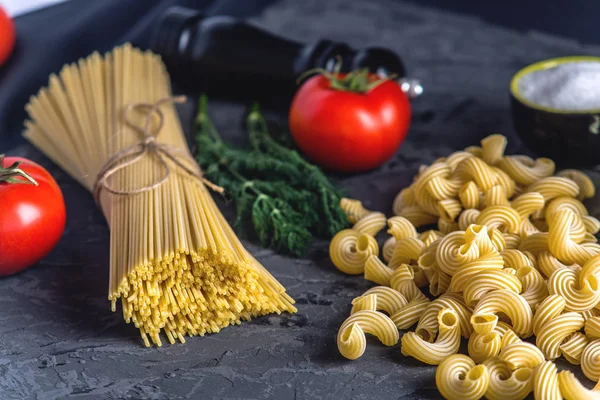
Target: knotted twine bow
[[149, 145]]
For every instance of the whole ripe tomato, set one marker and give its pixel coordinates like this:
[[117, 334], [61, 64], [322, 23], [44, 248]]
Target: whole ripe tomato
[[348, 126], [32, 218], [7, 36]]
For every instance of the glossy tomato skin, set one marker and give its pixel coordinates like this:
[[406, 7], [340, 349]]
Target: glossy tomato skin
[[32, 218], [7, 36], [349, 131]]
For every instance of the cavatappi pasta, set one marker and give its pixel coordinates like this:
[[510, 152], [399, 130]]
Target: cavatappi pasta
[[512, 255], [175, 264]]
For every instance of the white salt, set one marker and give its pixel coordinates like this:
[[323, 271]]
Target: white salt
[[573, 86]]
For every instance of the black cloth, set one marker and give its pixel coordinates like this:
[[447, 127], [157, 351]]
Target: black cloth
[[51, 37]]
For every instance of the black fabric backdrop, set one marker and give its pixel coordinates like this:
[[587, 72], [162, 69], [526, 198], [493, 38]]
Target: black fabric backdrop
[[51, 37]]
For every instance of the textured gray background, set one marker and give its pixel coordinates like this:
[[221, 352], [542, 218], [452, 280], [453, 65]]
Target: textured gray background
[[58, 338]]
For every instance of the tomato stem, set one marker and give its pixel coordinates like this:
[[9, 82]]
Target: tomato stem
[[357, 81], [12, 173]]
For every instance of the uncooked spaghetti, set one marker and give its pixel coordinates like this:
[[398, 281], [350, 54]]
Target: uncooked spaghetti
[[175, 263]]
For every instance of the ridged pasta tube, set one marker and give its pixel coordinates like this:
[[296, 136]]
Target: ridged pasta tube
[[353, 209], [496, 196], [490, 261], [590, 360], [400, 228], [430, 236], [376, 271], [446, 343], [554, 186], [521, 355], [351, 338], [428, 324], [525, 171], [547, 263], [592, 328], [468, 195], [555, 331], [502, 217], [506, 383], [475, 168], [349, 250], [417, 216], [468, 217], [534, 286], [406, 251], [487, 281], [453, 252], [458, 378], [388, 249], [545, 382], [371, 224], [587, 189], [404, 198], [403, 281], [379, 298], [493, 147], [572, 389], [535, 243], [484, 346], [511, 304], [449, 209], [572, 347]]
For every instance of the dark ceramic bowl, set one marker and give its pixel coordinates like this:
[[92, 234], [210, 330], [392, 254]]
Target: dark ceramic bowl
[[571, 138]]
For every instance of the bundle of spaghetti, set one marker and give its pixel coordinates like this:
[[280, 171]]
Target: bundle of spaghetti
[[175, 262]]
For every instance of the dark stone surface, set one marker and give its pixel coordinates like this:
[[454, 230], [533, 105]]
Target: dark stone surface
[[58, 338]]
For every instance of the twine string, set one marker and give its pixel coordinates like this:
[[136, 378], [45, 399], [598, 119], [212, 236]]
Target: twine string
[[148, 146]]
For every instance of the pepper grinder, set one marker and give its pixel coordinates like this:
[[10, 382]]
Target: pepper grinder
[[225, 55]]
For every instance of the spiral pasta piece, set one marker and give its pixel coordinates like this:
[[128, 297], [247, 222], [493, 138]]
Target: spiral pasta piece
[[592, 328], [496, 196], [458, 378], [484, 318], [349, 250], [528, 203], [439, 283], [550, 308], [428, 324], [406, 251], [501, 217], [572, 347], [591, 224], [547, 263], [545, 382], [404, 198], [417, 216], [506, 383], [403, 281], [554, 186], [449, 209], [353, 209], [371, 224], [400, 228], [379, 298], [521, 355], [535, 243], [429, 237], [525, 171], [446, 343], [555, 331], [580, 294], [484, 346], [562, 202], [351, 339], [493, 147], [468, 195], [446, 226], [455, 158], [453, 252], [388, 249], [475, 168], [590, 360], [534, 286], [587, 189], [467, 218], [487, 262], [441, 188], [376, 271], [572, 389], [487, 281], [506, 182]]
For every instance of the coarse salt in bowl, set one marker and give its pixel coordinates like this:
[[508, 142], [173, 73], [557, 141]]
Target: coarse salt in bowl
[[556, 108]]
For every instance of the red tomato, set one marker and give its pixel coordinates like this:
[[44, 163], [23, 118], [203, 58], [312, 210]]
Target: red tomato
[[7, 36], [32, 218], [349, 131]]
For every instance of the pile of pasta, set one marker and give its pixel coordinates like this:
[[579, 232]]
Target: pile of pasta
[[513, 257]]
